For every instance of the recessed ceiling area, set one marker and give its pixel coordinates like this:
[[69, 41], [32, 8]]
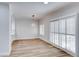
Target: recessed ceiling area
[[39, 9]]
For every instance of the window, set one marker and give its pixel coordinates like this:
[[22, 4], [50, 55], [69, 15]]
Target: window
[[42, 29], [52, 37], [71, 43], [52, 27], [70, 25], [52, 32], [62, 26], [34, 31], [56, 32], [56, 38], [62, 41], [56, 26], [71, 33], [62, 33]]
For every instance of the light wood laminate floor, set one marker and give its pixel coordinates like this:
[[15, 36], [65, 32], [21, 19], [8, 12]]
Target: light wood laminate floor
[[35, 48]]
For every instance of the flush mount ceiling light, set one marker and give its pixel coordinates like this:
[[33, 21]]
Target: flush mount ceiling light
[[45, 2]]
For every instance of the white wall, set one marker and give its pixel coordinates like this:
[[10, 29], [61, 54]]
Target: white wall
[[4, 29], [24, 29]]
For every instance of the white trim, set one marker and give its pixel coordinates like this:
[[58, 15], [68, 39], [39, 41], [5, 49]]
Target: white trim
[[10, 36], [25, 38]]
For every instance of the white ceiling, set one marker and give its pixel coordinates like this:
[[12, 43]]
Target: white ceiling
[[27, 9]]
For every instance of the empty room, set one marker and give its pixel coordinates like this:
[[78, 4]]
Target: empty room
[[38, 29]]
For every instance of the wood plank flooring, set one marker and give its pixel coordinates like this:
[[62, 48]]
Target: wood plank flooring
[[35, 48]]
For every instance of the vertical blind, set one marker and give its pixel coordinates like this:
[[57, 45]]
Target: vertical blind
[[62, 33]]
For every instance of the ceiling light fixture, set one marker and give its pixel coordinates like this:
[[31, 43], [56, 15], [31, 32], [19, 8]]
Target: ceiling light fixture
[[45, 2], [33, 16]]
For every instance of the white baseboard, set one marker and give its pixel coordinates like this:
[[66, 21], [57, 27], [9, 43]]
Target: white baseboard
[[4, 54], [26, 37]]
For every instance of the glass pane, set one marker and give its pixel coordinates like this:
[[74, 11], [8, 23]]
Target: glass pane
[[42, 29], [71, 43], [52, 37], [71, 25], [62, 26], [56, 38], [51, 26], [63, 42], [56, 26], [60, 40]]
